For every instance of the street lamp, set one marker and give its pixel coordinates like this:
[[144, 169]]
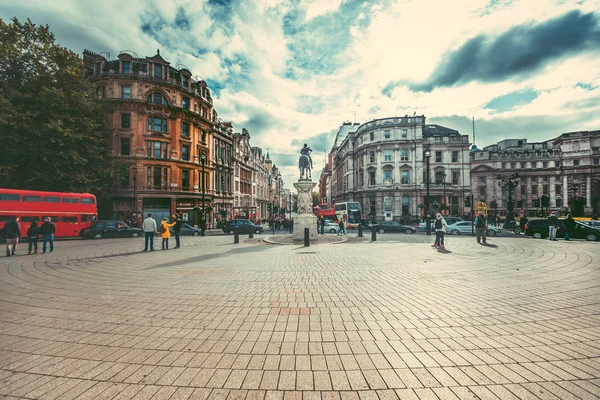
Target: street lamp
[[510, 182], [202, 216], [134, 172], [444, 202], [427, 155], [290, 205], [279, 194]]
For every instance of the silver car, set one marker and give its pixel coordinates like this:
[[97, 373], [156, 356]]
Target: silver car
[[465, 228], [331, 227]]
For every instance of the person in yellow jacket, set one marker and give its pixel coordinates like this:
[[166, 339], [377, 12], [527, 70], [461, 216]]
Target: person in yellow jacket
[[166, 234]]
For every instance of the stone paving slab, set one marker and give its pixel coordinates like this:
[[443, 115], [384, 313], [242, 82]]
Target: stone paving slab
[[393, 319]]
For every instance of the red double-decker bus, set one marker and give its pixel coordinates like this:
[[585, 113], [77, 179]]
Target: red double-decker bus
[[70, 212]]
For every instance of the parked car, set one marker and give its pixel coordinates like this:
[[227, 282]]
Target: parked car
[[242, 226], [422, 227], [538, 229], [593, 224], [110, 229], [331, 227], [188, 230], [393, 226], [465, 228]]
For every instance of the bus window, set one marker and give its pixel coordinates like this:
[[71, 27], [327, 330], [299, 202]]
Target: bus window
[[10, 197], [84, 218], [6, 218], [33, 199], [73, 200], [340, 207], [51, 199], [30, 219], [52, 218], [68, 219], [87, 200]]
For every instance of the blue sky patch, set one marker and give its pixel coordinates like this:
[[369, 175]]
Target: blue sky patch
[[511, 100]]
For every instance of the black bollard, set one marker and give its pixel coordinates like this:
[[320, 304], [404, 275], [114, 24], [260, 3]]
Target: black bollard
[[306, 237], [236, 236], [251, 234], [373, 234], [323, 228], [360, 234]]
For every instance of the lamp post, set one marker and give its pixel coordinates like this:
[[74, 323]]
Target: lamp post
[[203, 215], [290, 205], [279, 194], [444, 202], [510, 182], [427, 155], [134, 172]]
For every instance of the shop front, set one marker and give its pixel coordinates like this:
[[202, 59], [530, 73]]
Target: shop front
[[160, 208], [185, 209]]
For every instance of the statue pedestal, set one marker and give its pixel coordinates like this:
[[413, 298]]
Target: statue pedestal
[[305, 217]]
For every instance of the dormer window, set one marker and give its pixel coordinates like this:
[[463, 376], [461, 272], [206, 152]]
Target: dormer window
[[126, 66], [157, 98], [186, 82], [185, 103], [158, 71]]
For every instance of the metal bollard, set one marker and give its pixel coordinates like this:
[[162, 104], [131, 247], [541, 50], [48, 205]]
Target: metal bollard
[[306, 237], [251, 234], [236, 236], [360, 233], [373, 234]]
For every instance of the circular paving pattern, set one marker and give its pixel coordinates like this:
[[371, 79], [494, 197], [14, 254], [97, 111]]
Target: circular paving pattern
[[519, 318]]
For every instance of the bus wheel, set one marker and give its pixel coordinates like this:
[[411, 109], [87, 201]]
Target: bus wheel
[[98, 236]]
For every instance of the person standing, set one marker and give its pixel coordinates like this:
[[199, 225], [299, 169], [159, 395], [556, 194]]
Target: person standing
[[322, 224], [165, 233], [552, 227], [177, 230], [47, 230], [149, 228], [12, 231], [570, 225], [481, 228], [32, 236], [440, 226]]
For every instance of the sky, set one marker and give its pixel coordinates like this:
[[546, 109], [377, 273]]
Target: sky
[[291, 72]]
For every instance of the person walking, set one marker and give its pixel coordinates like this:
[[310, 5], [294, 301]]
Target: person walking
[[440, 226], [32, 236], [342, 227], [552, 227], [12, 232], [570, 225], [177, 229], [165, 233], [481, 228], [47, 230], [149, 228]]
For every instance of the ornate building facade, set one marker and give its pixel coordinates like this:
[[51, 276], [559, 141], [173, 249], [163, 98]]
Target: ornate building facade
[[224, 170]]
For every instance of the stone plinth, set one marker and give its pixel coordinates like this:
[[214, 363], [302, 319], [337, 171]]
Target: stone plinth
[[305, 217]]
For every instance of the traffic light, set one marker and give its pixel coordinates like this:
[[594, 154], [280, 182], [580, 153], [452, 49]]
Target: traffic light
[[468, 201], [268, 206]]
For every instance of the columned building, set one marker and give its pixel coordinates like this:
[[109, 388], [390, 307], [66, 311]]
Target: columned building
[[242, 203], [223, 178], [381, 165], [162, 124]]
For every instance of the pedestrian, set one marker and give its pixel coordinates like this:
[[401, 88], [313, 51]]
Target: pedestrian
[[570, 226], [440, 226], [177, 230], [32, 236], [47, 230], [552, 227], [322, 224], [149, 228], [481, 226], [342, 228], [165, 233], [12, 232], [595, 217]]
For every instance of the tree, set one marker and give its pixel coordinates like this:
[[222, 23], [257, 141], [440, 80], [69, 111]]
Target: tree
[[316, 199], [54, 135]]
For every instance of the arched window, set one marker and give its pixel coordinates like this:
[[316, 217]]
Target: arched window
[[157, 98]]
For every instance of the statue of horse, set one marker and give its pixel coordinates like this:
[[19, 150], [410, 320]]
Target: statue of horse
[[304, 166]]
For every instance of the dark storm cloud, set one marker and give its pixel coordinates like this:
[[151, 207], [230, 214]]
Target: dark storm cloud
[[319, 143], [284, 160], [519, 51], [181, 19]]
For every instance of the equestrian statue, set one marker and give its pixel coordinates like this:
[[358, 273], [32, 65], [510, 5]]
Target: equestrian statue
[[305, 162]]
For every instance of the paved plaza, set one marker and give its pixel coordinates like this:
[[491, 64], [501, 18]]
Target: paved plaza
[[519, 319]]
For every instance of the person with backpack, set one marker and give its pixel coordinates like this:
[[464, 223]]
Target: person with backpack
[[481, 226], [440, 226], [165, 233], [32, 236], [177, 229], [12, 232]]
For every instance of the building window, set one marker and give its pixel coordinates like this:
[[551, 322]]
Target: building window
[[557, 164], [387, 204], [185, 129], [576, 163], [387, 134], [372, 136], [387, 155], [534, 190], [558, 190], [125, 146], [149, 179], [371, 178], [186, 82], [404, 177], [185, 103], [126, 67], [202, 112], [534, 164], [126, 91], [439, 177], [455, 156], [559, 203], [157, 177], [157, 149], [157, 98], [438, 156], [158, 71], [203, 136], [387, 175], [482, 179], [125, 121], [405, 205], [545, 190], [404, 133], [372, 208], [372, 156], [404, 154], [185, 179], [185, 153], [482, 191], [545, 164], [98, 68], [596, 161], [157, 124], [523, 190], [455, 177]]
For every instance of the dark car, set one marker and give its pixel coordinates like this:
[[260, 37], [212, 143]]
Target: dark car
[[188, 230], [393, 226], [538, 229], [242, 226], [110, 229]]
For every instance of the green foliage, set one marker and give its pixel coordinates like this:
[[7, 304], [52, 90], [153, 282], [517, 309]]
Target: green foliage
[[54, 135], [316, 199]]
